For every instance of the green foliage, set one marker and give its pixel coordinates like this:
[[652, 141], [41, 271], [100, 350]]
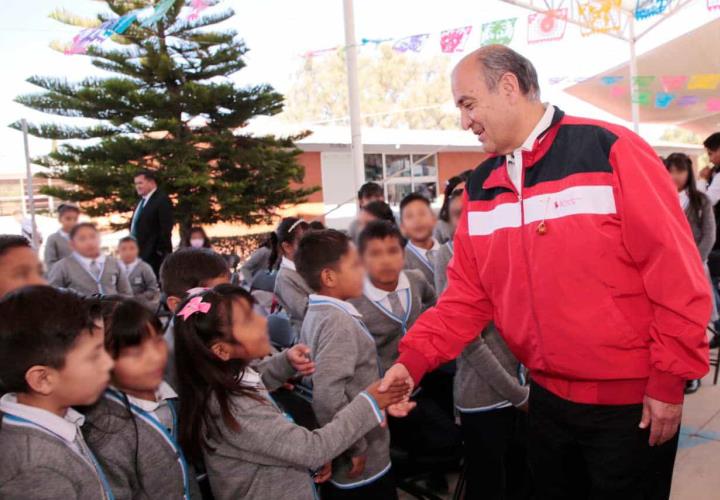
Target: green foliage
[[168, 106], [397, 90]]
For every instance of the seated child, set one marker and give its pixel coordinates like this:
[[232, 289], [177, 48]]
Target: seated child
[[133, 428], [250, 448], [19, 264], [375, 210], [392, 298], [52, 357], [346, 360], [87, 271], [417, 221], [142, 279], [290, 289], [57, 246], [368, 193]]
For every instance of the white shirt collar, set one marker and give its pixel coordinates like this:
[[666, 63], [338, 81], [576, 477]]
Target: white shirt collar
[[64, 234], [376, 295], [684, 199], [250, 378], [128, 268], [423, 251], [345, 306], [162, 393], [287, 263], [540, 127], [147, 196], [67, 428], [85, 261]]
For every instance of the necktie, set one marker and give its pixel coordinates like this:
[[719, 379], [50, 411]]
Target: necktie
[[431, 257], [136, 217], [95, 270], [395, 304]]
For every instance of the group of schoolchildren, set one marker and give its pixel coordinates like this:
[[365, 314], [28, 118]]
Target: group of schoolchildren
[[101, 399]]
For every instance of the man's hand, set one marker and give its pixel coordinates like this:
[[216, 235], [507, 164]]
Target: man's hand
[[358, 466], [323, 473], [398, 373], [299, 358], [663, 419]]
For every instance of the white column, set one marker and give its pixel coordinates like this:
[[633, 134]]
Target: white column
[[358, 160], [29, 185]]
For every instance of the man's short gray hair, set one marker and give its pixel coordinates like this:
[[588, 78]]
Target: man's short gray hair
[[496, 60]]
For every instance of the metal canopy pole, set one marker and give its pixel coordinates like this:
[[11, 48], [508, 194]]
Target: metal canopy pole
[[29, 185], [634, 93], [358, 159]]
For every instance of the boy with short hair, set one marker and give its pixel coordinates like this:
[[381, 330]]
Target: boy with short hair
[[368, 193], [57, 246], [142, 279], [49, 362], [19, 264], [87, 271], [392, 298], [417, 221], [345, 357]]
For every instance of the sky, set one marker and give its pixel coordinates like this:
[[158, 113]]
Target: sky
[[277, 32]]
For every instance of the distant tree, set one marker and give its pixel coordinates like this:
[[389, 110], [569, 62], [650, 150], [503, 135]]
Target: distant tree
[[397, 90], [680, 135], [170, 107]]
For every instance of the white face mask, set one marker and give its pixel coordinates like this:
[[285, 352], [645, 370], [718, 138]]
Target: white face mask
[[197, 242]]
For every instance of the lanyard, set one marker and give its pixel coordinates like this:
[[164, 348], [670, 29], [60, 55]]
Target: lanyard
[[404, 320], [158, 426], [98, 280], [108, 494], [420, 256]]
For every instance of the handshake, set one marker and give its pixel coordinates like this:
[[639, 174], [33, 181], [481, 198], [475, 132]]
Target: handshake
[[393, 391]]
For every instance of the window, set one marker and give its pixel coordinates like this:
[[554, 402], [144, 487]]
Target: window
[[402, 174]]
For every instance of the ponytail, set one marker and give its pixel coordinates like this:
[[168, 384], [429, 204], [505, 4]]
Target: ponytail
[[274, 245]]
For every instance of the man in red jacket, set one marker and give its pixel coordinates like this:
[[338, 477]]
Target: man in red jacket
[[573, 243]]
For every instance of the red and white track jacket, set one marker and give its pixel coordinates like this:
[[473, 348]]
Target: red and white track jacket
[[591, 275]]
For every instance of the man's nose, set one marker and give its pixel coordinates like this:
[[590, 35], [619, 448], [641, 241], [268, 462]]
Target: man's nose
[[465, 120]]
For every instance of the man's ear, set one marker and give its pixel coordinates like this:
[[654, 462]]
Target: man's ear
[[222, 350], [41, 379], [173, 302]]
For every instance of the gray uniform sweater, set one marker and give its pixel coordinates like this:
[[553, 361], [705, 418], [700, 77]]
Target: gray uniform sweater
[[388, 330], [258, 261], [111, 433], [412, 261], [70, 273], [346, 363], [144, 285], [270, 457], [292, 293], [57, 247], [487, 372], [36, 465]]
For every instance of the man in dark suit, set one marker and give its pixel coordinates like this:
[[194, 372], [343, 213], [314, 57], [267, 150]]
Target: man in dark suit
[[152, 221]]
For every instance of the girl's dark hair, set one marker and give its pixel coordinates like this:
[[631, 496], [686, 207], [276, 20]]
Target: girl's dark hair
[[682, 162], [185, 243], [450, 186], [202, 376], [286, 232], [127, 323], [380, 210]]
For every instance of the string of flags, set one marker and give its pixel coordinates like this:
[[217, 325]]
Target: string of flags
[[146, 18], [713, 4]]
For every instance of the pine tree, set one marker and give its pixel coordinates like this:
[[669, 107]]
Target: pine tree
[[168, 105]]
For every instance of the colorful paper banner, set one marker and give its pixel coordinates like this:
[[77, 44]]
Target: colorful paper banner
[[498, 32], [159, 12], [610, 80], [547, 26], [673, 82], [642, 98], [643, 81], [619, 90], [713, 104], [412, 43], [454, 40], [649, 8], [600, 16], [197, 7], [663, 99], [713, 4], [707, 81], [688, 100]]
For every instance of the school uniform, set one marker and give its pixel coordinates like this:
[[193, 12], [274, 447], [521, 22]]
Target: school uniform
[[270, 456], [421, 259], [143, 282], [292, 293], [442, 259], [140, 453], [57, 247], [44, 456], [90, 276], [258, 261], [388, 315], [346, 363], [443, 231]]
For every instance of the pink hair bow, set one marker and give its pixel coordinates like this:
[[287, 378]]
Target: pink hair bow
[[194, 305]]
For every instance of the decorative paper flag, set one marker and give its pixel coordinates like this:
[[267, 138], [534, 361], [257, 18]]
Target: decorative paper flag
[[412, 43], [557, 79], [600, 16], [197, 7], [88, 36], [159, 12], [663, 99], [707, 81], [498, 32], [713, 104], [610, 80], [649, 8], [642, 98], [547, 26], [319, 52], [619, 90], [672, 82], [688, 100], [454, 40], [643, 81], [713, 4], [375, 41]]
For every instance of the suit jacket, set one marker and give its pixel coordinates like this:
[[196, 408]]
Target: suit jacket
[[154, 228]]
